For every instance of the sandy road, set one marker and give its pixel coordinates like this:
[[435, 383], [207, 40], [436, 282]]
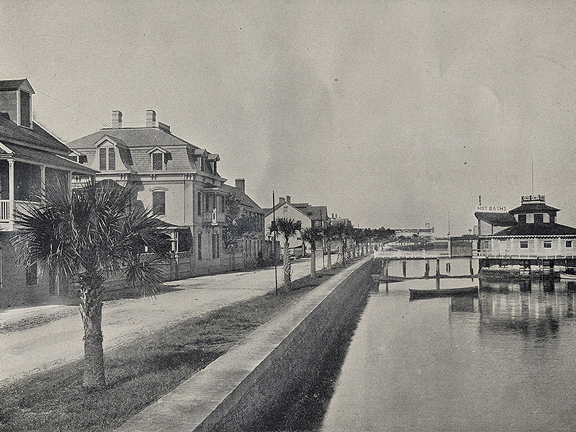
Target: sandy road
[[32, 350]]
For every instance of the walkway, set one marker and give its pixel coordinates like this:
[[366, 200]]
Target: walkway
[[58, 342]]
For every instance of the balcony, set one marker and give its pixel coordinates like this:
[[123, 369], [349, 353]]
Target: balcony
[[214, 218]]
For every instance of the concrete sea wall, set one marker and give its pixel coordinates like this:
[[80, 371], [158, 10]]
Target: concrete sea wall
[[254, 376]]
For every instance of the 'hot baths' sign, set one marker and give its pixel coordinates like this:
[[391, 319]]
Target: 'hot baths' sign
[[491, 209]]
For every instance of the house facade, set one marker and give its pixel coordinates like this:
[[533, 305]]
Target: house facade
[[309, 217], [32, 163], [176, 179]]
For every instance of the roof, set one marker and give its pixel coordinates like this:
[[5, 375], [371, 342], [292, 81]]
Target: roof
[[132, 137], [312, 212], [244, 199], [496, 219], [10, 132], [536, 229], [47, 158], [538, 207], [6, 85]]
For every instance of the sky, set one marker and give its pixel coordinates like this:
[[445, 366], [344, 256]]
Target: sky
[[390, 113]]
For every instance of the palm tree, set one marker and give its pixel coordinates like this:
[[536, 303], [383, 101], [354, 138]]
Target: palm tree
[[287, 227], [311, 236], [328, 234], [87, 235], [342, 233]]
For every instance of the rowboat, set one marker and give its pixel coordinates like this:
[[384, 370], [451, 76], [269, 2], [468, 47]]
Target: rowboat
[[448, 292]]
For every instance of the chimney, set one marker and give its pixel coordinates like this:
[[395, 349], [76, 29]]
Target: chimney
[[241, 184], [281, 200], [116, 119], [288, 198], [150, 118]]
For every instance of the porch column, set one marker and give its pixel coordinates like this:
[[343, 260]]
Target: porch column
[[11, 188]]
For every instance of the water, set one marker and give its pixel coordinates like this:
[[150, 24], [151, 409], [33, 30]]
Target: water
[[501, 362]]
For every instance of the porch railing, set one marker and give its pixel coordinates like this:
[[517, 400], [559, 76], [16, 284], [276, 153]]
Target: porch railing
[[5, 213]]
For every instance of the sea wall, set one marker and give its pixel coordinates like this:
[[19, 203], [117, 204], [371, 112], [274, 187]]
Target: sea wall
[[253, 377]]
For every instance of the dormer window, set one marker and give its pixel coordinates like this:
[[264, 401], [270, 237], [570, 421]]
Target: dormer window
[[16, 101], [158, 159], [107, 158]]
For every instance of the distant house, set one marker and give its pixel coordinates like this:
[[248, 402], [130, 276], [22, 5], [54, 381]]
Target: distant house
[[308, 215], [252, 244], [32, 162], [178, 180]]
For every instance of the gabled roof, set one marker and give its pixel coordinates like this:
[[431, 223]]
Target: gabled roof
[[496, 219], [10, 132], [114, 140], [242, 198], [311, 212], [536, 229], [7, 85]]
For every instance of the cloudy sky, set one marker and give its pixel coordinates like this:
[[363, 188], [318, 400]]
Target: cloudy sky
[[390, 113]]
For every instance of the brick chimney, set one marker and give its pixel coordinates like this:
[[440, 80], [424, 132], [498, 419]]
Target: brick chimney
[[288, 198], [281, 200], [150, 118], [116, 119], [241, 184]]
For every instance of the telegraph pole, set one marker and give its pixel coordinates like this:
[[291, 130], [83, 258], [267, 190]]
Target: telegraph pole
[[274, 225]]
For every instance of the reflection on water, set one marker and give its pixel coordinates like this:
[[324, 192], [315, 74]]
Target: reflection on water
[[503, 361]]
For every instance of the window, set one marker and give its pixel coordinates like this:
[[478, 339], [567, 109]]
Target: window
[[158, 203], [25, 109], [215, 246], [568, 243], [107, 158], [547, 244], [157, 161], [27, 182], [32, 275], [539, 218], [524, 245], [199, 246], [199, 204], [521, 218]]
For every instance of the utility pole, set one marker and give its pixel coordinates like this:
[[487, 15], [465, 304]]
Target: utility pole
[[274, 225]]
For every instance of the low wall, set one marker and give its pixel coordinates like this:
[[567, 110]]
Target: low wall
[[253, 377]]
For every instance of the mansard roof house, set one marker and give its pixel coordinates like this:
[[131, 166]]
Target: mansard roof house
[[178, 180], [32, 160]]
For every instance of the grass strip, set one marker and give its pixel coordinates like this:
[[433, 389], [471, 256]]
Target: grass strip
[[140, 372]]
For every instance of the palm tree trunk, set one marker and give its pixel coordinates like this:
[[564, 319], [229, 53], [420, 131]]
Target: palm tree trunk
[[287, 268], [313, 263], [91, 311]]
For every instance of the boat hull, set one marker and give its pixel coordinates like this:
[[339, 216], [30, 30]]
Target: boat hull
[[451, 292]]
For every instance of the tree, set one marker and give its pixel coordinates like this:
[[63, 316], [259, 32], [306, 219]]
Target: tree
[[328, 234], [87, 235], [238, 225], [342, 233], [287, 227], [311, 236]]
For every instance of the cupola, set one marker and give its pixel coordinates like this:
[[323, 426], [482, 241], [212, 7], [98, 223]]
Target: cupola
[[533, 209]]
